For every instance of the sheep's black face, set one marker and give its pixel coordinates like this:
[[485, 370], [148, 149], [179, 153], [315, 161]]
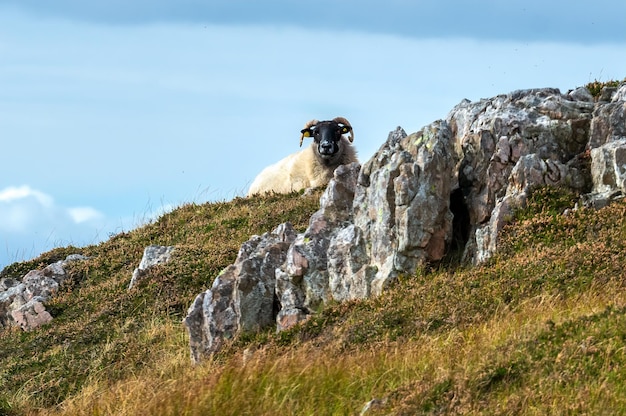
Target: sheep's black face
[[327, 137]]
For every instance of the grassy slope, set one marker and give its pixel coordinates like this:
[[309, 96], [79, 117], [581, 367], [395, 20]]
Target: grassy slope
[[540, 329]]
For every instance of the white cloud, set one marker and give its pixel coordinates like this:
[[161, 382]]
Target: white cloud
[[15, 193], [31, 222], [22, 207], [84, 214]]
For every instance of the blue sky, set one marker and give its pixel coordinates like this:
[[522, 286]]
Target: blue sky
[[113, 112]]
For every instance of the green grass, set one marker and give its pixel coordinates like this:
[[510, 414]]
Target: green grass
[[595, 87], [539, 329]]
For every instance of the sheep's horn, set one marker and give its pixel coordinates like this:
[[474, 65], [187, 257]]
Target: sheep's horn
[[308, 125], [345, 121]]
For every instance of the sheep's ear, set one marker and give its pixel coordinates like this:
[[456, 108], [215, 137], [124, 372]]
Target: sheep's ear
[[346, 129]]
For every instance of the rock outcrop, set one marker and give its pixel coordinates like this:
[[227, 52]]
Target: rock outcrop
[[22, 301], [242, 297], [152, 255], [452, 185]]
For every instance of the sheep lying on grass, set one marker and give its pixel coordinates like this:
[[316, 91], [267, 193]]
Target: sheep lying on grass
[[311, 167]]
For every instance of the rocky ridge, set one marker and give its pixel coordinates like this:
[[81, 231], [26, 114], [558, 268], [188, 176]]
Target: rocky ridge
[[450, 186]]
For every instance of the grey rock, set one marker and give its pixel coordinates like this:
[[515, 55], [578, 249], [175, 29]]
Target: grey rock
[[492, 135], [22, 301], [32, 314], [607, 93], [303, 280], [11, 299], [608, 168], [371, 405], [242, 297], [75, 257], [581, 94], [200, 341], [609, 119], [7, 283], [349, 273], [403, 211], [620, 94], [152, 256]]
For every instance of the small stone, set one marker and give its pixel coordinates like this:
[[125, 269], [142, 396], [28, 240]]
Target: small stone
[[152, 256]]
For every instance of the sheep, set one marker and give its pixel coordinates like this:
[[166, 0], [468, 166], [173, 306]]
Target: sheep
[[313, 166]]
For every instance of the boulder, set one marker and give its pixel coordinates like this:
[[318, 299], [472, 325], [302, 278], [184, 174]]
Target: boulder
[[608, 172], [22, 301], [303, 280], [402, 203], [491, 136], [242, 297], [32, 314]]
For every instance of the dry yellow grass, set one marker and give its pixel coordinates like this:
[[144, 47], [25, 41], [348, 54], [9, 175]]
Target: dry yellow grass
[[307, 378]]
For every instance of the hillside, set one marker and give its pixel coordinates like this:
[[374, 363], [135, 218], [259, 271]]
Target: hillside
[[103, 330], [539, 328]]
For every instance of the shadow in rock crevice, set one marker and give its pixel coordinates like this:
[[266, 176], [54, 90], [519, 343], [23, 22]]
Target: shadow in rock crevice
[[461, 228]]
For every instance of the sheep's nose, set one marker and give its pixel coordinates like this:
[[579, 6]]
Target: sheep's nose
[[326, 147]]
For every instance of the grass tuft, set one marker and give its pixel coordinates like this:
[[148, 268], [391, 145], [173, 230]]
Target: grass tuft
[[596, 87]]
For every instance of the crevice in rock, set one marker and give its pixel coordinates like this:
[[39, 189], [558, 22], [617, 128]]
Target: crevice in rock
[[460, 224], [276, 306]]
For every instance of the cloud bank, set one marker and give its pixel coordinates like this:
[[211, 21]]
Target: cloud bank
[[528, 20], [31, 222]]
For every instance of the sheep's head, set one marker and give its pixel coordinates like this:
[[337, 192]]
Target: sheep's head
[[327, 135]]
